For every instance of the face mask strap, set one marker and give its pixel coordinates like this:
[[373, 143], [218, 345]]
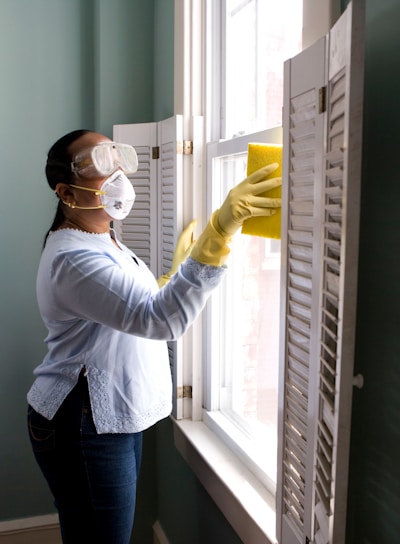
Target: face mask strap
[[75, 206], [95, 191]]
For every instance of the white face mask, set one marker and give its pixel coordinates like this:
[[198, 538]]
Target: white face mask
[[117, 196]]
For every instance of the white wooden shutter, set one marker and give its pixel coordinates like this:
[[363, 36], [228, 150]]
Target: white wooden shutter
[[139, 231], [301, 220], [338, 292], [322, 169], [170, 212], [152, 227], [170, 188]]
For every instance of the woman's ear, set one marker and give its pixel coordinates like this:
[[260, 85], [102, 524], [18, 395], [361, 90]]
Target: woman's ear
[[63, 190], [64, 193]]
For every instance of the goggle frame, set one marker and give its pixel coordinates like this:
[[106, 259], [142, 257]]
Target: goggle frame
[[104, 159]]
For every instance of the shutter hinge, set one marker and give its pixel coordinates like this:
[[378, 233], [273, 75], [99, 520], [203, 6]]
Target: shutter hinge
[[184, 392], [184, 147], [322, 100], [155, 152]]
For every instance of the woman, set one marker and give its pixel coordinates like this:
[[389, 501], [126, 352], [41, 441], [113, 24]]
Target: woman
[[106, 375]]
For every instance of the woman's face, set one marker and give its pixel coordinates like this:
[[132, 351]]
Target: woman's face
[[84, 142], [87, 198]]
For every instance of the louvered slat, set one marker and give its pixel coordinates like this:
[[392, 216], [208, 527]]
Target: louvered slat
[[333, 196], [135, 229], [168, 227], [299, 264], [139, 230], [168, 204]]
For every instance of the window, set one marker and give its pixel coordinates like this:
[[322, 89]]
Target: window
[[242, 374]]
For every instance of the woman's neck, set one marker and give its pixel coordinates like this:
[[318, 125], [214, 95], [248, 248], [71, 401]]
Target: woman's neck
[[92, 229], [86, 226]]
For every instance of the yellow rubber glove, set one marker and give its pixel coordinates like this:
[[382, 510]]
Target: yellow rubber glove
[[242, 202], [182, 251]]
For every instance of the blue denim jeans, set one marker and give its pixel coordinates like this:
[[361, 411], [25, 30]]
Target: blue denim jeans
[[93, 477]]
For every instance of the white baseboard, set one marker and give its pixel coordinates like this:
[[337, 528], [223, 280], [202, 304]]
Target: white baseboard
[[35, 530], [158, 534], [46, 530]]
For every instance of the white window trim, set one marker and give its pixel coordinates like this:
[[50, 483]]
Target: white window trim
[[247, 505], [188, 102]]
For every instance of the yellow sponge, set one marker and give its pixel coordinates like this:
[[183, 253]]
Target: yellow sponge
[[260, 155]]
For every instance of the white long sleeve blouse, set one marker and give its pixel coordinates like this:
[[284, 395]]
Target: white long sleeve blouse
[[104, 312]]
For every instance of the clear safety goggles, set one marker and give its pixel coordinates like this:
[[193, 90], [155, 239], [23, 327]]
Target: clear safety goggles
[[104, 159]]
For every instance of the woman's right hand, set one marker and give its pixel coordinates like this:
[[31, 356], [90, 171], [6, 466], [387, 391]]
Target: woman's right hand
[[245, 200]]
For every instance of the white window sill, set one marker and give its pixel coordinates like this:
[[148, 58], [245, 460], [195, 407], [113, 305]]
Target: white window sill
[[244, 501]]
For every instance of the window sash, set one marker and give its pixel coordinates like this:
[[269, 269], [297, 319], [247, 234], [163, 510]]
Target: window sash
[[226, 423]]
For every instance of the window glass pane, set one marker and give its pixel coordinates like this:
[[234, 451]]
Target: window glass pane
[[259, 36], [248, 327]]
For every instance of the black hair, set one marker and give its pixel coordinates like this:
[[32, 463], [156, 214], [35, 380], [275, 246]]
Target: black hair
[[58, 169]]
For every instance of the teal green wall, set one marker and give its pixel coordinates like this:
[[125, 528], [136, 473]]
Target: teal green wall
[[124, 59], [185, 510], [375, 468], [46, 86], [164, 52], [64, 64]]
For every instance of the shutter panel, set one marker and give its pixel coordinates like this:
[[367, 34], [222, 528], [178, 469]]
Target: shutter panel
[[170, 188], [319, 283], [139, 230], [171, 224], [302, 168], [152, 227], [337, 319]]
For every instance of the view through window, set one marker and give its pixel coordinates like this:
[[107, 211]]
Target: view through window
[[259, 36]]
